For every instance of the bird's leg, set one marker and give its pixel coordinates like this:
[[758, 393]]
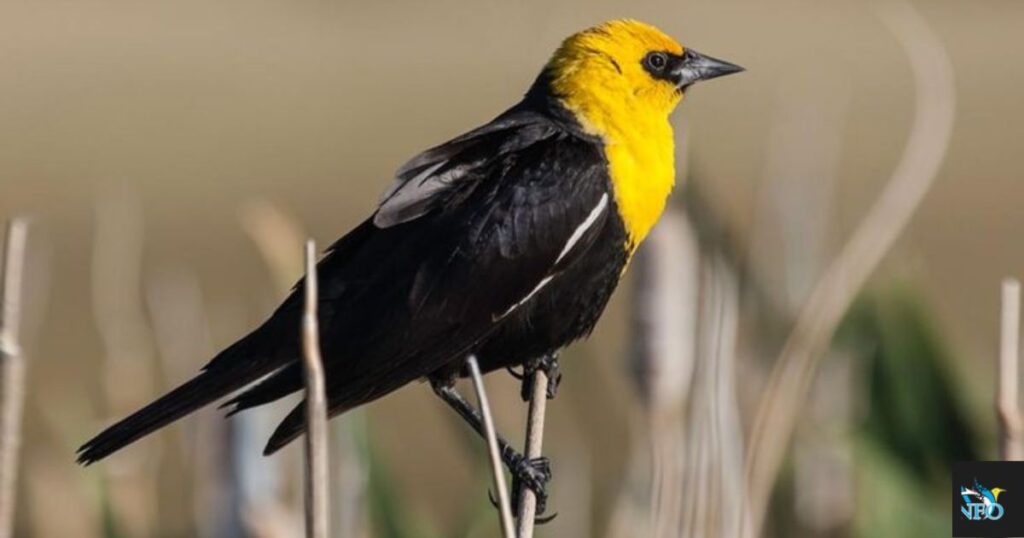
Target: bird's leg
[[533, 473], [545, 363]]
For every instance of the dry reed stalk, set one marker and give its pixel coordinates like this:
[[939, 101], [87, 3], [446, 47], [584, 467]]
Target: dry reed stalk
[[686, 474], [686, 307], [714, 446], [497, 469], [534, 447], [181, 333], [316, 408], [12, 368], [1007, 380], [665, 311], [128, 372], [790, 379], [259, 485]]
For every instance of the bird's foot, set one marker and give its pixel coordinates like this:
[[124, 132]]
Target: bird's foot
[[545, 363], [533, 474]]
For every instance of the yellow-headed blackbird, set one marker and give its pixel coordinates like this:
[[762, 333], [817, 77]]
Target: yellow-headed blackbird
[[505, 242]]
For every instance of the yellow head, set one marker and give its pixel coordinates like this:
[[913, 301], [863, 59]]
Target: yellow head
[[996, 492], [626, 66], [620, 81]]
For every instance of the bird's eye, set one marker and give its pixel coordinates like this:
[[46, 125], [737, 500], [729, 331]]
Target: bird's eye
[[656, 61]]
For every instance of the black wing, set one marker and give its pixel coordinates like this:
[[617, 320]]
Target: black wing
[[424, 182], [470, 231]]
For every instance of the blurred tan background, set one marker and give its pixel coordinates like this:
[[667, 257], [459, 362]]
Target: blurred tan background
[[155, 127]]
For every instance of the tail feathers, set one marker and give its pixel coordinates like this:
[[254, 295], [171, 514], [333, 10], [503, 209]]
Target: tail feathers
[[231, 370], [294, 424], [339, 400], [288, 430], [359, 390], [278, 385], [200, 391]]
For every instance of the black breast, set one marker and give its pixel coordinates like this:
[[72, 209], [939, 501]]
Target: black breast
[[566, 309]]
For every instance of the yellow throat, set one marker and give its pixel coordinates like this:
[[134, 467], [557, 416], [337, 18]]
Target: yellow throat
[[597, 75]]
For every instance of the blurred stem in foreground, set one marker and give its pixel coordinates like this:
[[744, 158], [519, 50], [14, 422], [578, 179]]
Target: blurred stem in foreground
[[686, 307], [278, 235], [1007, 380], [259, 485], [12, 368], [181, 331], [129, 369]]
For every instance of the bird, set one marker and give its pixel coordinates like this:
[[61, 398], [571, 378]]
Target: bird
[[987, 496], [504, 243], [981, 493]]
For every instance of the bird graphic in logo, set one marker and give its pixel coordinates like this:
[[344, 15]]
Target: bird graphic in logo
[[981, 503]]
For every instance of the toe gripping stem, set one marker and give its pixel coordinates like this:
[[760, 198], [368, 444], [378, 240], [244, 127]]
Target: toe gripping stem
[[545, 363], [533, 474]]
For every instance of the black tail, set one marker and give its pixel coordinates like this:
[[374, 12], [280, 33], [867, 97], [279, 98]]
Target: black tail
[[340, 398], [271, 388], [231, 370], [293, 425]]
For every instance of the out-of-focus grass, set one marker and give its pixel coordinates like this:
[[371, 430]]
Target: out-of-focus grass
[[915, 420], [910, 421], [914, 407], [389, 514], [891, 500]]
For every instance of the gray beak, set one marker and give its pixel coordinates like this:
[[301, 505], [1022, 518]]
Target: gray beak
[[693, 67]]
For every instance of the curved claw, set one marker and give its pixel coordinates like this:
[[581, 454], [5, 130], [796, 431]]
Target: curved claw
[[533, 474], [546, 519], [515, 374], [490, 497], [539, 520]]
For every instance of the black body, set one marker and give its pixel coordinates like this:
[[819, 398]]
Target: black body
[[504, 242]]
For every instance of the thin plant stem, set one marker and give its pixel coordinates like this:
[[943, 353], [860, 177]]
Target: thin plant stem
[[1007, 381], [316, 408], [534, 447], [12, 368], [497, 472]]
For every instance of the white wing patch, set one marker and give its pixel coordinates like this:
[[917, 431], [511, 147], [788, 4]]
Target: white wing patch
[[544, 282], [577, 234]]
